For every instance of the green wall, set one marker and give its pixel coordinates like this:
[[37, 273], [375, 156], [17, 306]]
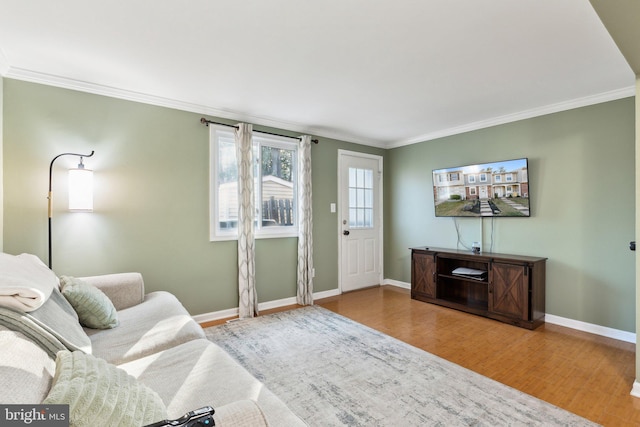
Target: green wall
[[582, 186], [151, 201]]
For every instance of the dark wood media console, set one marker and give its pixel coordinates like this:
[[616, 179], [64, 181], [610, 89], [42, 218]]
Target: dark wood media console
[[508, 288]]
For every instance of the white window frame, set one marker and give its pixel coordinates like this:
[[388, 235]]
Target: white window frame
[[472, 179], [215, 233]]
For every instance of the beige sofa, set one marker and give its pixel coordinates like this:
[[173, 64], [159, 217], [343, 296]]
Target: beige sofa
[[161, 346]]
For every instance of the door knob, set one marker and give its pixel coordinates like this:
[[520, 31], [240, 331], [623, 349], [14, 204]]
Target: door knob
[[345, 232]]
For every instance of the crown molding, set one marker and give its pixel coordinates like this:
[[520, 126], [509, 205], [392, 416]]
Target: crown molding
[[66, 83], [535, 112], [113, 92]]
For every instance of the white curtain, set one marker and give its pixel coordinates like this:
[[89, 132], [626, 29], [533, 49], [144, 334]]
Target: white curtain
[[304, 294], [248, 305]]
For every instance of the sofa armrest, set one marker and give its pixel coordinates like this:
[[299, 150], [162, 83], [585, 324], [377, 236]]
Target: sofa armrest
[[123, 289]]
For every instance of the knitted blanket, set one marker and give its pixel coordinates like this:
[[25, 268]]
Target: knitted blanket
[[54, 326]]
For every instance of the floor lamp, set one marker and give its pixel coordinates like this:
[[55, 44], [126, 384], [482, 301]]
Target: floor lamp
[[80, 190]]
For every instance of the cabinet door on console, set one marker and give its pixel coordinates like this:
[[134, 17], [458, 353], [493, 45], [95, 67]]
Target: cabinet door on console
[[509, 290], [424, 271]]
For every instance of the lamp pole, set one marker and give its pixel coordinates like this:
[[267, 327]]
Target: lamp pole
[[49, 195]]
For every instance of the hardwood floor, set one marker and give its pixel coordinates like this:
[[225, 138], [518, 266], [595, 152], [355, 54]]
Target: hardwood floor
[[586, 374]]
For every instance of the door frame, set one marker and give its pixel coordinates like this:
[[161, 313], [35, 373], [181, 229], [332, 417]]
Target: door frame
[[380, 209]]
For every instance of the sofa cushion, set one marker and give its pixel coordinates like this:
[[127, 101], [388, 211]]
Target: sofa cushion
[[159, 322], [26, 370], [96, 390], [93, 307], [200, 373]]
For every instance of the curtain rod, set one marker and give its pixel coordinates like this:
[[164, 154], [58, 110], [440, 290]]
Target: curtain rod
[[207, 122]]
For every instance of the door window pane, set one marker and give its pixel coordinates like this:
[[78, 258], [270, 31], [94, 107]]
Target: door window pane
[[352, 216], [360, 219], [368, 198], [368, 178]]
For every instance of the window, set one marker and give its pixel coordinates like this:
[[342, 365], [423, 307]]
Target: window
[[497, 178], [360, 198], [472, 191], [472, 179], [275, 185], [508, 177], [453, 176], [483, 177]]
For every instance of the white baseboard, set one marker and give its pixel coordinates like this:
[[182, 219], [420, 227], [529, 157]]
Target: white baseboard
[[549, 318], [591, 328], [326, 294], [635, 391], [216, 315], [233, 312], [397, 283], [277, 303]]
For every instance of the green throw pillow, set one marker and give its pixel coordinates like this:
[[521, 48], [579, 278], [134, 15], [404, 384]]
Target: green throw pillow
[[94, 308], [101, 394]]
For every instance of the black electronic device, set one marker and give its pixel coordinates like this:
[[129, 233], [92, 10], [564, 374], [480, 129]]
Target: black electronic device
[[202, 417]]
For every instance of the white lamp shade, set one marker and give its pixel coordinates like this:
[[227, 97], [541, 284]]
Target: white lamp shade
[[81, 190]]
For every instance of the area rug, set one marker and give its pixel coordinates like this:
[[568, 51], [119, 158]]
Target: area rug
[[332, 371]]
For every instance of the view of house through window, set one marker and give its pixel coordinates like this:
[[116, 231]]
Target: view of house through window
[[275, 183]]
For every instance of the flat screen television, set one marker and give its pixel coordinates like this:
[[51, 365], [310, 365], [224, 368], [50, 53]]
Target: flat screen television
[[496, 189]]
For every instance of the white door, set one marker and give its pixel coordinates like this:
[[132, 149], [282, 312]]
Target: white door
[[483, 192], [360, 216]]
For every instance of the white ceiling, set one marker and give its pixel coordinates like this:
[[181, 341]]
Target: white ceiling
[[377, 72]]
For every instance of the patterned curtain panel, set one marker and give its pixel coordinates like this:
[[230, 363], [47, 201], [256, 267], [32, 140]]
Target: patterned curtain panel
[[248, 305], [305, 220]]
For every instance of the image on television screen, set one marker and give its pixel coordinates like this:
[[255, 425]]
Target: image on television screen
[[496, 189]]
